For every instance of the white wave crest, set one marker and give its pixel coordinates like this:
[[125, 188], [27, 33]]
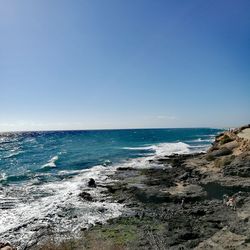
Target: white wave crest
[[52, 162], [138, 148], [164, 149], [3, 176], [202, 140], [38, 204]]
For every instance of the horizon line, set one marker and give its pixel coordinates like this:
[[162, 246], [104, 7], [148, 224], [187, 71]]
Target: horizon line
[[108, 129]]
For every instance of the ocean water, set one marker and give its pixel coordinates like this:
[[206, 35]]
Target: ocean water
[[42, 173]]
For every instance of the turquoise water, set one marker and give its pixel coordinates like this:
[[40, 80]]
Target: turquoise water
[[28, 155], [42, 174]]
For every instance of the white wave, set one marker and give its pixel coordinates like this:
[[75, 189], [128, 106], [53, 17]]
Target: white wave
[[40, 205], [138, 148], [165, 148], [158, 151], [35, 210], [11, 155], [52, 162], [3, 176], [199, 146], [202, 140]]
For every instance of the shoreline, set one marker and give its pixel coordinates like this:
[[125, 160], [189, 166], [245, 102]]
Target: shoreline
[[182, 206], [176, 204]]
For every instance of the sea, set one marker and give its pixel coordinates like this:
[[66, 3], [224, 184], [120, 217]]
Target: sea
[[42, 174]]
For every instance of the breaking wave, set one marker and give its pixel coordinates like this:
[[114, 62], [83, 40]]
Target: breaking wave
[[46, 190], [164, 149], [55, 203], [52, 162]]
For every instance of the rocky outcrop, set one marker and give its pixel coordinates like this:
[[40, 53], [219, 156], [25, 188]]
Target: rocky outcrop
[[186, 200], [182, 204]]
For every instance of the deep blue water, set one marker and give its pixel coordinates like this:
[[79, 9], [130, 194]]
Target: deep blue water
[[43, 155]]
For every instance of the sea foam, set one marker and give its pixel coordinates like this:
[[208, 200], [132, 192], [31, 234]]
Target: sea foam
[[52, 162]]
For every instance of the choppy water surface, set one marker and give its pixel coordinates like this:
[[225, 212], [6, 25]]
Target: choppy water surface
[[42, 173]]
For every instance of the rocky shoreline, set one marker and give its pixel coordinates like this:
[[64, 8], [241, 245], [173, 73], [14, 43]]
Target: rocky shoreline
[[178, 205]]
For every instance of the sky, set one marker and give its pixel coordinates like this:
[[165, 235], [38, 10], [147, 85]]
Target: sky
[[94, 64]]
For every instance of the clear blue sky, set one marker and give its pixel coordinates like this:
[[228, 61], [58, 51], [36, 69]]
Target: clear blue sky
[[124, 63]]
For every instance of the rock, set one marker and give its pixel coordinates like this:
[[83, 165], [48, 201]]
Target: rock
[[92, 183], [198, 212], [180, 207], [116, 187], [121, 200], [220, 152], [184, 176], [240, 166], [6, 246], [125, 168], [99, 223], [86, 196], [224, 239], [102, 209]]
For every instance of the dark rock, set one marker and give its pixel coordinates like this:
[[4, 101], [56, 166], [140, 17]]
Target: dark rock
[[184, 176], [189, 236], [116, 187], [121, 200], [92, 183], [240, 166], [198, 212], [219, 152], [86, 196], [98, 223], [60, 215], [102, 209], [125, 168]]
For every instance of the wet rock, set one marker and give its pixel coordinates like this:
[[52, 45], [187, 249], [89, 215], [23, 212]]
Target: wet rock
[[86, 196], [116, 187], [121, 200], [99, 223], [92, 183], [125, 168], [102, 209]]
